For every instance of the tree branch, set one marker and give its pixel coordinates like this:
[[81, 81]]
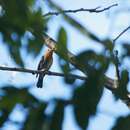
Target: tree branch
[[94, 10], [110, 84], [121, 34], [42, 71]]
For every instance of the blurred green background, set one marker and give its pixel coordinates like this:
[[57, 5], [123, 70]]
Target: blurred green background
[[89, 36]]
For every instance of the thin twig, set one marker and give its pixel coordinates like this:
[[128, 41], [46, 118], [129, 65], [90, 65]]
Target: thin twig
[[42, 71], [107, 8], [94, 10], [121, 34]]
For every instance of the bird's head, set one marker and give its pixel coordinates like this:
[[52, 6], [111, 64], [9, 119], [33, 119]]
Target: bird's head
[[49, 53]]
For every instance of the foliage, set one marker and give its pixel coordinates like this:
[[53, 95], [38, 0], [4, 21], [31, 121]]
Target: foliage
[[21, 21], [17, 18]]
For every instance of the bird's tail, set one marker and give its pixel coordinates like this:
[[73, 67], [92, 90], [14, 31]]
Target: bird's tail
[[40, 81]]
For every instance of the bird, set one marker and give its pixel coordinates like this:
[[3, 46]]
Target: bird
[[44, 64]]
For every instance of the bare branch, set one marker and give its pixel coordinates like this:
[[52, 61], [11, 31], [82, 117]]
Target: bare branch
[[121, 34], [94, 10], [42, 71]]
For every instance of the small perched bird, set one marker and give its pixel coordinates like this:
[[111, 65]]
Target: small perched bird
[[44, 64]]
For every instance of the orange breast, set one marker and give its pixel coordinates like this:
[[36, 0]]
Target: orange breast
[[48, 55]]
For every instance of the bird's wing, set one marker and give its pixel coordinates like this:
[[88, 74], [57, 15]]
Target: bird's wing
[[40, 65]]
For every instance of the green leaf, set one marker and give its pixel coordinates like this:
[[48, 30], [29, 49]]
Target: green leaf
[[37, 24], [4, 115], [58, 116], [18, 17], [123, 123], [35, 118], [62, 43], [122, 92], [15, 17], [12, 96], [91, 61], [21, 96], [8, 101], [63, 53], [34, 46], [86, 98], [127, 49], [15, 54]]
